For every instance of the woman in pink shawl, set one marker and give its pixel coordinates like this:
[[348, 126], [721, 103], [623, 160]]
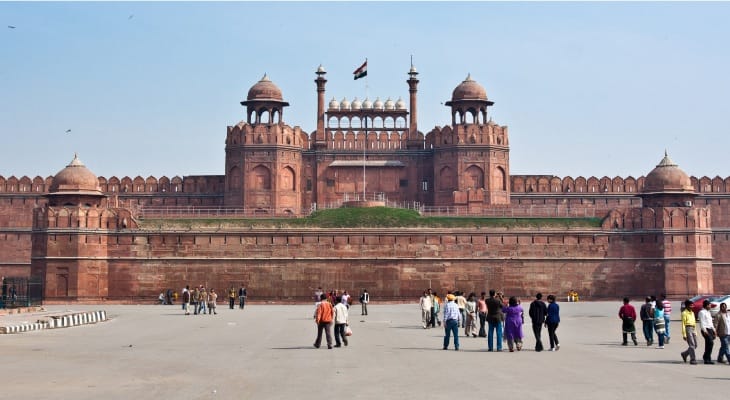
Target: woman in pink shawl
[[513, 324]]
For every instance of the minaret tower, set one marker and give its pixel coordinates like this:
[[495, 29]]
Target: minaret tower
[[413, 122], [320, 140]]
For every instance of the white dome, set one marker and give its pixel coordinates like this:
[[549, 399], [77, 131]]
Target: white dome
[[400, 104], [367, 104], [356, 104], [378, 105], [344, 104], [389, 105], [334, 105]]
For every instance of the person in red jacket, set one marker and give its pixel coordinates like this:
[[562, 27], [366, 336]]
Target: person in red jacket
[[627, 313], [323, 317]]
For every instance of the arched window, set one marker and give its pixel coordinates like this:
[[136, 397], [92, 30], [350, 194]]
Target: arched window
[[288, 181], [474, 177], [261, 178]]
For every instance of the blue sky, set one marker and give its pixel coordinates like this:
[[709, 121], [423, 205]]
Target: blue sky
[[149, 88]]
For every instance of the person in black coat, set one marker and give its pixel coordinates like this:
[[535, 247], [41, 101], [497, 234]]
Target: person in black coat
[[538, 311]]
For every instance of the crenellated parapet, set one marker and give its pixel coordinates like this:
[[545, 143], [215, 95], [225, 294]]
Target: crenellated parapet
[[211, 184], [490, 134], [244, 134], [674, 218], [595, 185], [47, 217], [591, 185]]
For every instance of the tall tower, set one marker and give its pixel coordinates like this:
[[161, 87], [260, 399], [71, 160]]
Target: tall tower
[[471, 157], [264, 156], [412, 81], [319, 136], [681, 230], [69, 239]]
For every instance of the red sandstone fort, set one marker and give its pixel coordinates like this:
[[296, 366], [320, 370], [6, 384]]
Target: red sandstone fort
[[82, 236]]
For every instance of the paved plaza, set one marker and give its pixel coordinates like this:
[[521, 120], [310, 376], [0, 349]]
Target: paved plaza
[[266, 352]]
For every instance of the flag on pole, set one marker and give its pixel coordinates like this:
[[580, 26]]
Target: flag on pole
[[362, 71]]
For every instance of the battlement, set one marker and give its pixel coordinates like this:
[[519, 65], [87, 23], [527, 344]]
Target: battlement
[[266, 134], [475, 134], [84, 218]]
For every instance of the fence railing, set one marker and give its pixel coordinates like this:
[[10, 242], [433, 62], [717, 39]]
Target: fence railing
[[20, 292], [522, 211]]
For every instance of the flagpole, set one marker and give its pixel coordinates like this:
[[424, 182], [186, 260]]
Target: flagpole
[[365, 141]]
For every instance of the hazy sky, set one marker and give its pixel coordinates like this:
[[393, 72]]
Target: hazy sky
[[149, 88]]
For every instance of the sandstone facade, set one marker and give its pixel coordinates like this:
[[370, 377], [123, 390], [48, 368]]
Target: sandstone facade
[[665, 232]]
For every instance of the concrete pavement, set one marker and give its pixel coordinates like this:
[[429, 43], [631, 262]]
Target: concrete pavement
[[266, 352]]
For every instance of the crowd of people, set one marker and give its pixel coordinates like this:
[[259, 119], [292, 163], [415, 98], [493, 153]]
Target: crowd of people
[[503, 319], [655, 318], [200, 300]]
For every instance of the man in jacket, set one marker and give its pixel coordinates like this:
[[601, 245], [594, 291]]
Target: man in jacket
[[323, 317], [647, 321], [495, 320], [538, 311]]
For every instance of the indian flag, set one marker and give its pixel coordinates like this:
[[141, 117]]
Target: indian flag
[[362, 71]]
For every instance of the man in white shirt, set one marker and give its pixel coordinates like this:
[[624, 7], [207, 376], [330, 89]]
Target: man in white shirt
[[708, 331], [364, 300], [426, 305], [452, 318]]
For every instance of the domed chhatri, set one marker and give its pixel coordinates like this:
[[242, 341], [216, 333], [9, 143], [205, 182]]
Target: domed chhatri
[[75, 179], [469, 89], [265, 89], [667, 177]]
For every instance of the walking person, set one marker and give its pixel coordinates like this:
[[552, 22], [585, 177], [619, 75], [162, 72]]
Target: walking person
[[513, 319], [212, 300], [647, 321], [688, 332], [426, 305], [722, 323], [482, 309], [471, 315], [194, 300], [667, 317], [342, 319], [627, 313], [658, 314], [452, 319], [202, 300], [708, 331], [186, 299], [364, 300], [242, 297], [232, 297], [551, 322], [538, 312], [323, 317], [461, 303], [436, 309], [495, 318], [185, 289]]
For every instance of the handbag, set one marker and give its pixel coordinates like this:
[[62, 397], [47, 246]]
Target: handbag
[[348, 331]]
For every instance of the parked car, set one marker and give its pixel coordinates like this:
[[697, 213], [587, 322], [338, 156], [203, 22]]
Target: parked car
[[715, 304], [699, 299]]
